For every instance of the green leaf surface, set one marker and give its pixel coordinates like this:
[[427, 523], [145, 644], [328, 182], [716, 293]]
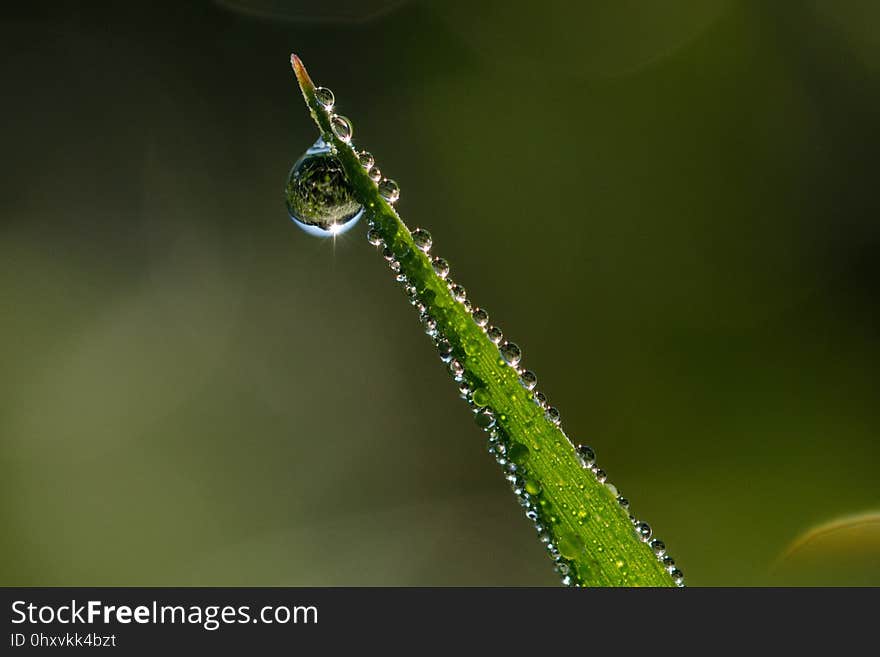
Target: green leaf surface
[[592, 538]]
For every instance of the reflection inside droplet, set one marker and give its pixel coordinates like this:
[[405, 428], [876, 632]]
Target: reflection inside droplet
[[319, 198]]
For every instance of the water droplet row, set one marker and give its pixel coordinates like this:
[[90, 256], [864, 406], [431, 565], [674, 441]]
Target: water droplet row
[[343, 130], [643, 531], [510, 455], [511, 354]]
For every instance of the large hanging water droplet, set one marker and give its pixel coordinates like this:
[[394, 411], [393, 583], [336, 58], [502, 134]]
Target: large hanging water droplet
[[319, 198], [341, 127]]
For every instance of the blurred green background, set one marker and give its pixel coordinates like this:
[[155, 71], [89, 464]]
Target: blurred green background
[[672, 207]]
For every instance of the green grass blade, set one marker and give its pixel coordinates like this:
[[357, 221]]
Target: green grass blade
[[581, 518]]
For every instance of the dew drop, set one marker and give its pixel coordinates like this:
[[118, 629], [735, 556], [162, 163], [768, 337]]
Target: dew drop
[[455, 367], [643, 531], [375, 175], [623, 502], [341, 127], [533, 487], [511, 353], [658, 546], [325, 97], [374, 237], [677, 577], [319, 198], [445, 350], [495, 334], [668, 563], [481, 317], [389, 190], [601, 476], [366, 159], [458, 293], [611, 487], [570, 546], [430, 325], [481, 397], [541, 399], [485, 419], [528, 379], [552, 414], [587, 455], [422, 239], [518, 453], [440, 266]]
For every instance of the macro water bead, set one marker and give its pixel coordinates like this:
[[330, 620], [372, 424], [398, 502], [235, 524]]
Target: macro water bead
[[422, 239], [366, 159], [440, 266], [341, 127], [389, 190], [586, 455], [319, 198], [325, 97]]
